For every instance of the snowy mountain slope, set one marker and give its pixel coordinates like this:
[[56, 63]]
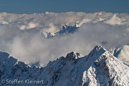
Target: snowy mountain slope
[[99, 67], [11, 70], [122, 53]]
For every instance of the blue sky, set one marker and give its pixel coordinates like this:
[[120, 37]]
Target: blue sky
[[41, 6]]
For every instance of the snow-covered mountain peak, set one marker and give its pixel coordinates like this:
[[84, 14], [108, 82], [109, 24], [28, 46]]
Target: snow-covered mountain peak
[[114, 20], [97, 50], [99, 55], [72, 56], [113, 69]]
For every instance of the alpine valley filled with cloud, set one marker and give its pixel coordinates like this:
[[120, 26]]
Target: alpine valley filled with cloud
[[37, 47]]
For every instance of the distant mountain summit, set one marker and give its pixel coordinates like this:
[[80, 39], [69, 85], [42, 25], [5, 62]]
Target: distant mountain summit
[[98, 68], [114, 20], [65, 30]]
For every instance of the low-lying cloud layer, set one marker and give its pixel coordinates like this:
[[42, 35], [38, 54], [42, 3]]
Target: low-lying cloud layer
[[21, 35]]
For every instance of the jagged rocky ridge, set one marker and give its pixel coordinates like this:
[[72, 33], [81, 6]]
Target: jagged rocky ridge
[[98, 68], [65, 30]]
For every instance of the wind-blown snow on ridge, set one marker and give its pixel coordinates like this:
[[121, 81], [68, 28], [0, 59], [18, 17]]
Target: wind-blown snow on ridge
[[99, 67]]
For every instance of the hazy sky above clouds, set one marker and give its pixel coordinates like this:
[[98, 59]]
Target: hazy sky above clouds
[[41, 6]]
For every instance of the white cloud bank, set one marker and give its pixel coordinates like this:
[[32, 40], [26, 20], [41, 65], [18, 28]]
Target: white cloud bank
[[21, 35]]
